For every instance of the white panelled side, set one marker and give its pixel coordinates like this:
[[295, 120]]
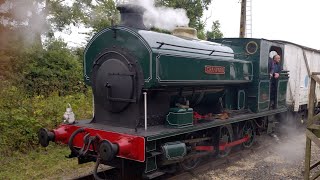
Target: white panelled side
[[299, 80]]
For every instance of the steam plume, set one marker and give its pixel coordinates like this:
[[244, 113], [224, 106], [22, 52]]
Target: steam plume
[[26, 18], [163, 17], [292, 149]]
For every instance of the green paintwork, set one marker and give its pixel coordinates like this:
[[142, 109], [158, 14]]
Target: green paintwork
[[151, 159], [259, 89], [281, 95], [122, 37], [150, 146], [264, 95], [178, 69], [173, 65], [174, 150], [168, 64], [241, 99], [179, 117], [151, 164]]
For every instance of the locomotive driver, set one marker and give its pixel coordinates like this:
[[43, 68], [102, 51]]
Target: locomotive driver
[[274, 71], [275, 67]]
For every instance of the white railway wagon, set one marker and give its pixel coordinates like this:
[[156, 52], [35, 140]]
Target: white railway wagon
[[300, 61]]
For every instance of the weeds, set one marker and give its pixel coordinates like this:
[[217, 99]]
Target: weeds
[[22, 116]]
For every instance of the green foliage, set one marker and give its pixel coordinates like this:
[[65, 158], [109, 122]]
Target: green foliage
[[11, 45], [37, 80], [21, 117], [54, 69], [201, 35], [215, 32], [16, 127], [60, 14], [96, 15], [79, 52], [103, 14], [44, 17]]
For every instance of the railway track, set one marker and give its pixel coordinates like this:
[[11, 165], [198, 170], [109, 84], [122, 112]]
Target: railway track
[[238, 153]]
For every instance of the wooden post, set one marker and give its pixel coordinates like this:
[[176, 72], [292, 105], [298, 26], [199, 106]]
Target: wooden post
[[310, 136], [312, 95], [307, 159], [243, 15]]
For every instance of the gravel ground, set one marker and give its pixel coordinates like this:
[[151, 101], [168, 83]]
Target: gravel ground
[[283, 159]]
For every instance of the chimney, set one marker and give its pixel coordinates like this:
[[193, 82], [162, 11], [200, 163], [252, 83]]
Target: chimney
[[132, 15]]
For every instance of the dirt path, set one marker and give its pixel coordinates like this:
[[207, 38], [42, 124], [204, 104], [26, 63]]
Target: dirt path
[[284, 159]]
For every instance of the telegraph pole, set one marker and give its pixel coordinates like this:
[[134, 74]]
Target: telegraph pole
[[243, 16], [246, 19]]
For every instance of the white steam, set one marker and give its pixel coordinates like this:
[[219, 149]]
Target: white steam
[[162, 17], [292, 148], [26, 17], [292, 145]]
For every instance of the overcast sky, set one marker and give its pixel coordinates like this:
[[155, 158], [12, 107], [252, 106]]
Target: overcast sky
[[296, 21]]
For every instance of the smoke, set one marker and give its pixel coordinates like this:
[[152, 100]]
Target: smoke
[[292, 135], [25, 18], [293, 148], [163, 17]]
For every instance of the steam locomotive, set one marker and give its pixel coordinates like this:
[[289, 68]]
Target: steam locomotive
[[163, 101]]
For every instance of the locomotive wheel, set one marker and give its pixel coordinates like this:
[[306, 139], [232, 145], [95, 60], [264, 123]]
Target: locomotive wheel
[[226, 136], [191, 163], [248, 130]]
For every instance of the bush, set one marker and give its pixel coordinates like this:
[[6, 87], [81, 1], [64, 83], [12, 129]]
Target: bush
[[36, 85], [22, 116], [53, 69], [17, 127]]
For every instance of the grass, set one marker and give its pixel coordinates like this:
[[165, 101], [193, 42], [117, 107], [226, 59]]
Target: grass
[[42, 163], [20, 120]]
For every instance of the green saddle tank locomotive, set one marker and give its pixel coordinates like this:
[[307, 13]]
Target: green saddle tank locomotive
[[163, 100]]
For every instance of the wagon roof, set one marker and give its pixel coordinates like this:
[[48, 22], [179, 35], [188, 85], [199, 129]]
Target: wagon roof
[[303, 47]]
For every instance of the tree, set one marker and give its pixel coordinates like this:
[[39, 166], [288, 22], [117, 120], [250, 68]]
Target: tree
[[11, 48], [30, 67], [195, 10], [23, 24], [35, 17], [43, 17], [16, 33], [52, 69], [215, 32], [97, 15]]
